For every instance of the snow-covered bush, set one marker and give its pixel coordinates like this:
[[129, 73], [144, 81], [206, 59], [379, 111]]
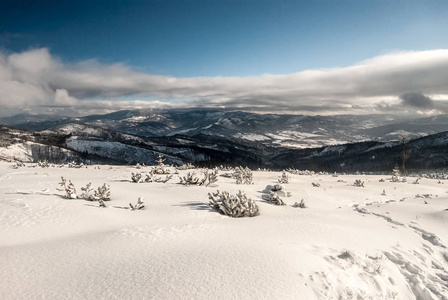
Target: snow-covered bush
[[395, 174], [225, 168], [234, 206], [284, 178], [189, 178], [136, 177], [273, 198], [70, 190], [18, 164], [43, 164], [277, 187], [86, 192], [187, 166], [139, 204], [300, 205], [278, 190], [161, 168], [162, 180], [150, 177], [243, 175], [102, 193], [75, 165], [358, 183], [210, 177], [300, 172]]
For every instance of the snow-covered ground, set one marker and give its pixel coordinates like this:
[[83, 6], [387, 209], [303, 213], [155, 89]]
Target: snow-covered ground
[[349, 243]]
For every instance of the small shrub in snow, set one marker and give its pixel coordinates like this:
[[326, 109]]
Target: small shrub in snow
[[383, 193], [273, 198], [358, 183], [162, 180], [284, 178], [225, 168], [277, 187], [43, 164], [18, 164], [416, 181], [382, 180], [189, 178], [187, 166], [300, 205], [315, 184], [74, 165], [139, 204], [137, 177], [279, 190], [161, 168], [209, 177], [150, 177], [102, 193], [70, 190], [234, 206], [243, 175], [86, 191], [101, 203], [300, 172], [395, 174]]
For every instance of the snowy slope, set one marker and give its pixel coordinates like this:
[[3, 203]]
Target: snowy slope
[[349, 243]]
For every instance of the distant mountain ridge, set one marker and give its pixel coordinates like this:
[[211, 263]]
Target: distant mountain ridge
[[210, 138], [289, 131]]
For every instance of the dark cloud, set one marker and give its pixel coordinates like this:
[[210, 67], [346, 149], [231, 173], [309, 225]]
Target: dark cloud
[[417, 100]]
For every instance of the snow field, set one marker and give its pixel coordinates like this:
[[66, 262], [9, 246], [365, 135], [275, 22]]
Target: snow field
[[349, 243]]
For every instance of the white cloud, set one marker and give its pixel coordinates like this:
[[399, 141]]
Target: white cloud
[[35, 77]]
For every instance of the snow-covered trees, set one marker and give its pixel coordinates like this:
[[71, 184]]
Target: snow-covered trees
[[273, 198], [150, 177], [86, 191], [187, 166], [284, 178], [43, 164], [161, 168], [136, 177], [18, 164], [234, 206], [208, 178], [70, 190], [102, 193], [358, 183], [243, 175]]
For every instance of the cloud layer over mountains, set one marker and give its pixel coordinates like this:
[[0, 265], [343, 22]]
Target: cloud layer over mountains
[[397, 81]]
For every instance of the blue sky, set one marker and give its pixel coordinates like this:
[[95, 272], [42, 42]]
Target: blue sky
[[209, 38], [225, 38]]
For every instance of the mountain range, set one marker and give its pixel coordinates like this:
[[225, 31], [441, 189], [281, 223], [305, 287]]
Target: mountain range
[[211, 137]]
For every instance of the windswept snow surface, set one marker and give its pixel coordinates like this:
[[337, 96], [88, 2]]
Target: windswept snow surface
[[349, 243]]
